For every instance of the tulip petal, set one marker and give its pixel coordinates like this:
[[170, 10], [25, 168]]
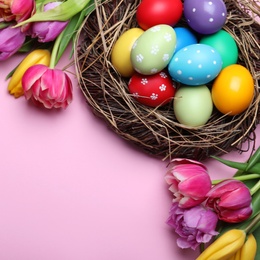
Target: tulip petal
[[32, 75], [235, 216], [187, 170], [227, 185], [51, 88], [22, 9], [236, 199], [197, 186], [194, 226], [231, 199], [11, 40]]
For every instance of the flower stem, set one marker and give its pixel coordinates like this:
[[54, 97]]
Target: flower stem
[[255, 188], [253, 225], [54, 52], [241, 178]]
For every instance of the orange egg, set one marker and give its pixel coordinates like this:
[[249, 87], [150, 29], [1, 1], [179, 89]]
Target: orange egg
[[233, 90]]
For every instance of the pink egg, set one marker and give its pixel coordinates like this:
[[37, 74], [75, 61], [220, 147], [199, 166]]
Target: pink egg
[[205, 16]]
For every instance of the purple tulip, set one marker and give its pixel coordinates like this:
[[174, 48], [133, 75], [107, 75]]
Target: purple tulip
[[231, 199], [48, 31], [194, 225], [51, 88], [189, 182], [11, 40]]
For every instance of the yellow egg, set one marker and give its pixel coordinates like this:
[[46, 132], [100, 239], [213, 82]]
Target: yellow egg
[[120, 56]]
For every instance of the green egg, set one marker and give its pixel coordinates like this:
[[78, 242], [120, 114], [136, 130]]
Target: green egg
[[153, 50], [193, 105], [225, 44]]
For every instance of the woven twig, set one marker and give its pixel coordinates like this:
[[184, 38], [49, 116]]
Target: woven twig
[[157, 131]]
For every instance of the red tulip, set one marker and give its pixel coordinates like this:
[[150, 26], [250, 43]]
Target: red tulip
[[51, 88], [231, 199]]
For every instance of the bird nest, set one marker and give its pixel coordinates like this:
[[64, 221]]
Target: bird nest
[[156, 130]]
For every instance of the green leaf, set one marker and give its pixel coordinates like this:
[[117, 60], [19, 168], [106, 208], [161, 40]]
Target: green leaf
[[28, 45], [256, 233], [71, 30], [254, 159], [62, 12], [4, 25], [254, 168]]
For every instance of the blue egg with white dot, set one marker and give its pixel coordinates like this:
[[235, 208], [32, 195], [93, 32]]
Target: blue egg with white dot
[[195, 64], [184, 37]]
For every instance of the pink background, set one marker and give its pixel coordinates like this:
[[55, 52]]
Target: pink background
[[71, 189]]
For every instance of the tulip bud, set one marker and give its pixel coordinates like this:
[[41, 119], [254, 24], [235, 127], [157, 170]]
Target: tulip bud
[[225, 246], [189, 182], [33, 58], [51, 88], [248, 250], [231, 199], [48, 31], [11, 40]]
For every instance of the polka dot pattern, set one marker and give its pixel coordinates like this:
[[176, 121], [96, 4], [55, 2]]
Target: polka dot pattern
[[153, 50], [205, 16], [195, 64]]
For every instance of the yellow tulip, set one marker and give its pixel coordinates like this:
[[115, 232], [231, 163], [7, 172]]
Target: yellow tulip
[[225, 246], [33, 58], [248, 250]]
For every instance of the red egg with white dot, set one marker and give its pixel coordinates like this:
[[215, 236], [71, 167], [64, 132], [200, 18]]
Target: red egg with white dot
[[205, 16], [152, 90]]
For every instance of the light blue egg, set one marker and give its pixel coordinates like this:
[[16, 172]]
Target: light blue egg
[[195, 64], [184, 37]]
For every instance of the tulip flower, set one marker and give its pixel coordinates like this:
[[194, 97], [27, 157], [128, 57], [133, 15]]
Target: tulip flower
[[49, 30], [11, 40], [189, 182], [225, 246], [247, 251], [51, 88], [33, 58], [231, 199], [194, 226], [16, 10]]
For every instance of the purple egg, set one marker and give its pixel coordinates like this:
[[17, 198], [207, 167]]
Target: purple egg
[[205, 16]]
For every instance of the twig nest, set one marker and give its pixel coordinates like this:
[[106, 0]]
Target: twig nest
[[156, 130]]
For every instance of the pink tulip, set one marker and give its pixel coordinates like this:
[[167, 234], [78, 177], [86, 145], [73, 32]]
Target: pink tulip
[[48, 31], [194, 225], [51, 88], [231, 199], [189, 182], [16, 10], [11, 40]]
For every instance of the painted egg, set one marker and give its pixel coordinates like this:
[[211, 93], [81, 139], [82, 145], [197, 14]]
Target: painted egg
[[120, 55], [233, 90], [225, 44], [193, 106], [152, 90], [153, 50], [153, 12], [205, 16], [184, 37], [196, 64]]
